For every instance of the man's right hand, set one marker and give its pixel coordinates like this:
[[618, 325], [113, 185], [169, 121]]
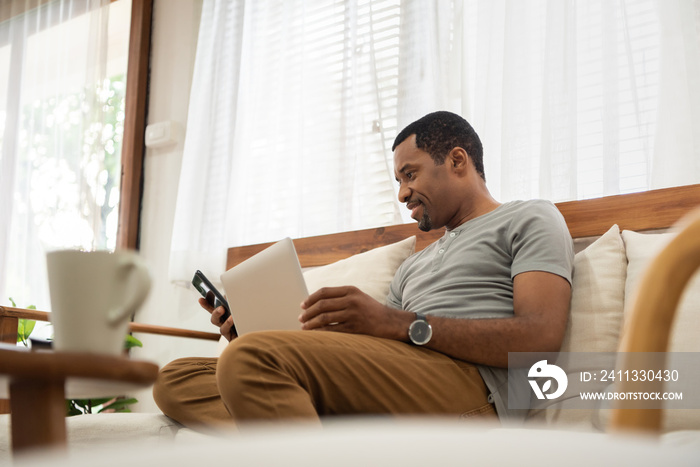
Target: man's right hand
[[226, 328]]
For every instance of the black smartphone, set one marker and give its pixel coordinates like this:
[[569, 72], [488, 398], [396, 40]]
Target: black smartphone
[[213, 296]]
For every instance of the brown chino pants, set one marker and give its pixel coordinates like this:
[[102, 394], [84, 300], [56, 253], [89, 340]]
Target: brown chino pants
[[305, 374]]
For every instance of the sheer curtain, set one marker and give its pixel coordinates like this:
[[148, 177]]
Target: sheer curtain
[[291, 119], [572, 100], [294, 106], [60, 133]]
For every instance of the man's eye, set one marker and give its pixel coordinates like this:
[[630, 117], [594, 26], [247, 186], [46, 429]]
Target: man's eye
[[409, 175]]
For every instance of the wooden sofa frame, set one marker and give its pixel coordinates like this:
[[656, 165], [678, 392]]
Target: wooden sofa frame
[[650, 210]]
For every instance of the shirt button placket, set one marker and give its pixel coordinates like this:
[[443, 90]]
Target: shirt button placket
[[437, 262]]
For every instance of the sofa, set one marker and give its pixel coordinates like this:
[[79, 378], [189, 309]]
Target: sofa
[[613, 277]]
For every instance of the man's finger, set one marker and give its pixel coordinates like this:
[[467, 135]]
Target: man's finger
[[216, 315], [323, 306], [205, 304], [324, 294], [226, 328], [323, 320]]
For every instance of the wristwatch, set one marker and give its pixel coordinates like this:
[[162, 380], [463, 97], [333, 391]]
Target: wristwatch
[[420, 331]]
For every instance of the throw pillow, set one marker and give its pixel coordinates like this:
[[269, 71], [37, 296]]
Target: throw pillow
[[595, 320], [371, 271], [641, 249], [597, 296]]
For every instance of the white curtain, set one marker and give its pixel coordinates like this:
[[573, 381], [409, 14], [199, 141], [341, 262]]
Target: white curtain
[[291, 119], [295, 103], [59, 138], [572, 99]]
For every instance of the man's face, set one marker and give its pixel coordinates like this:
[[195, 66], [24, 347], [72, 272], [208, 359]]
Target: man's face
[[424, 187]]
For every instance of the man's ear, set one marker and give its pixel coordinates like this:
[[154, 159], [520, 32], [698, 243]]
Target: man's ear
[[458, 159]]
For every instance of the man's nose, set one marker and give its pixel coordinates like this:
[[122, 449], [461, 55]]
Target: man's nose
[[404, 193]]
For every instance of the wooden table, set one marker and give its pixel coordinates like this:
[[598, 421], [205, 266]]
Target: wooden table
[[40, 381]]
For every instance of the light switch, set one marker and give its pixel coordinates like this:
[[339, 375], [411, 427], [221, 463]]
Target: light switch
[[160, 134]]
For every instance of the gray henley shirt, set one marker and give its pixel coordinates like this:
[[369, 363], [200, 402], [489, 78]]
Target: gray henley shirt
[[469, 273]]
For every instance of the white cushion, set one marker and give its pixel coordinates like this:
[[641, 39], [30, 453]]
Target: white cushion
[[595, 321], [371, 271], [641, 248], [597, 296]]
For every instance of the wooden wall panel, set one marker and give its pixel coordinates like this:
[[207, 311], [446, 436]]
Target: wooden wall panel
[[654, 209]]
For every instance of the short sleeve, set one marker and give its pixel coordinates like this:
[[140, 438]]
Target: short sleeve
[[541, 241]]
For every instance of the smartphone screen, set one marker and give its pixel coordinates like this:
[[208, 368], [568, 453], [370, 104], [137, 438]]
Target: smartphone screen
[[209, 292]]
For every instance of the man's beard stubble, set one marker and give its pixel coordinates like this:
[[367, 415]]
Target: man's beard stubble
[[425, 223]]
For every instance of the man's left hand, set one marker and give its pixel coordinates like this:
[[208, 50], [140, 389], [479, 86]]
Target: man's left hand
[[348, 309]]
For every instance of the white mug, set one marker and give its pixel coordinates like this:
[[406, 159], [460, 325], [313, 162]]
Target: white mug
[[93, 295]]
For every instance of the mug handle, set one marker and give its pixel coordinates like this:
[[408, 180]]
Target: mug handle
[[137, 296]]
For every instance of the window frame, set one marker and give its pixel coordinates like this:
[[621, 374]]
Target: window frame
[[136, 106]]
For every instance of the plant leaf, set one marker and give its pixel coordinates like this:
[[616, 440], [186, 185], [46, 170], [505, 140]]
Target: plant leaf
[[24, 329], [24, 326], [20, 330], [72, 408], [131, 341], [28, 327]]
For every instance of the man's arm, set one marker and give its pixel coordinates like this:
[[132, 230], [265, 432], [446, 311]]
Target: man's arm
[[540, 307]]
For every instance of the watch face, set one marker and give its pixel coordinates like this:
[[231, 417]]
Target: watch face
[[420, 332]]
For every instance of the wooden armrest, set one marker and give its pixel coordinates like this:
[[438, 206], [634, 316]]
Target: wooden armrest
[[10, 316], [653, 309], [9, 320], [23, 313], [177, 332]]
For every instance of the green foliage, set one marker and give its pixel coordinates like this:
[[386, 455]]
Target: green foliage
[[24, 326], [110, 404], [103, 405], [131, 342], [24, 329]]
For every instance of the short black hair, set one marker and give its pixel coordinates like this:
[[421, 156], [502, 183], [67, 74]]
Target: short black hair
[[439, 132]]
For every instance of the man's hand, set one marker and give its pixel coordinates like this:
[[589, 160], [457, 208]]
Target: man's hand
[[348, 309], [226, 328]]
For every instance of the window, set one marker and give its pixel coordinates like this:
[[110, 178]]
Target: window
[[62, 91]]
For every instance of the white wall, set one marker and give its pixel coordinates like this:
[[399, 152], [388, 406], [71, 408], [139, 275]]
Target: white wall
[[173, 46]]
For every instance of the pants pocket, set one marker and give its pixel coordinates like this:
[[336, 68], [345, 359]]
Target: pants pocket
[[485, 411]]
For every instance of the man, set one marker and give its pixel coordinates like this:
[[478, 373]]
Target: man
[[498, 281]]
